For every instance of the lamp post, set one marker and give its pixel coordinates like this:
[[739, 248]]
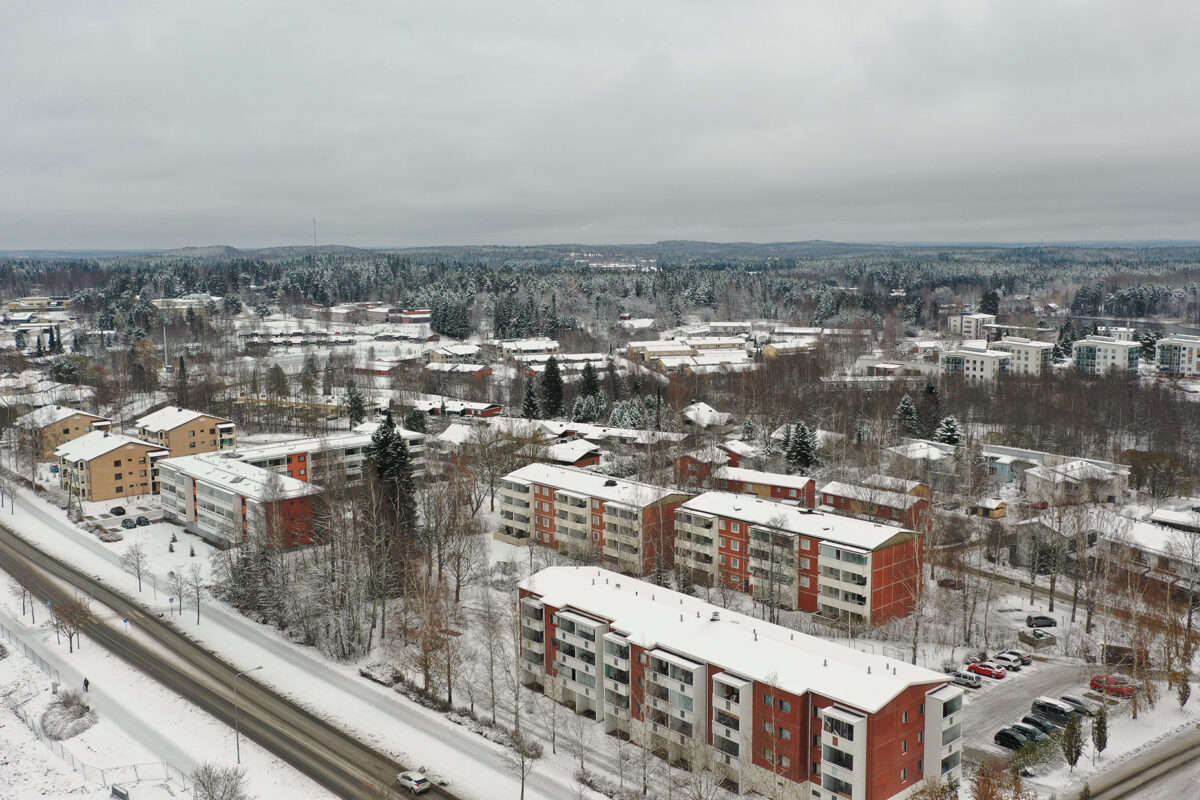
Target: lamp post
[[237, 742]]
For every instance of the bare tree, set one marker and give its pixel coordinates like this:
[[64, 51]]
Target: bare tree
[[195, 585], [521, 757], [134, 560], [214, 782]]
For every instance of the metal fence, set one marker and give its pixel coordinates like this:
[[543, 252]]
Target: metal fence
[[24, 650]]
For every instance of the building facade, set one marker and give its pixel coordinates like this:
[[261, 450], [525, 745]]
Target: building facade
[[50, 427], [794, 558], [629, 525], [1096, 355], [974, 363], [1028, 357], [760, 706], [1178, 356], [795, 489], [876, 503], [108, 466], [971, 326], [187, 433]]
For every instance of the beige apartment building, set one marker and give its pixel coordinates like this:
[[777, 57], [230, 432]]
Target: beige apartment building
[[187, 433], [108, 466], [50, 427]]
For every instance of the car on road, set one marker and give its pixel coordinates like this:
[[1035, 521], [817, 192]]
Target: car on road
[[968, 679], [1030, 732], [1010, 663], [1079, 704], [1007, 737], [1041, 723], [142, 521], [1040, 621], [117, 511], [128, 523], [1026, 658], [414, 782], [1118, 685], [987, 668]]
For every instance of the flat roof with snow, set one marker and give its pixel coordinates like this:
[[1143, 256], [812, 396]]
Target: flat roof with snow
[[171, 417], [97, 443], [238, 477], [656, 618], [592, 484], [757, 476]]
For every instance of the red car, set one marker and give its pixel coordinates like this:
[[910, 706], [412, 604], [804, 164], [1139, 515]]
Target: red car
[[988, 669], [1118, 685]]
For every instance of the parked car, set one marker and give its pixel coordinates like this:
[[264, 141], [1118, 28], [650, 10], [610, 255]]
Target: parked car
[[117, 511], [987, 668], [1041, 723], [1118, 685], [1007, 737], [143, 521], [128, 523], [1026, 658], [1029, 732], [1040, 621], [951, 583], [1010, 663], [1079, 704], [54, 469], [1056, 711], [968, 679], [414, 781]]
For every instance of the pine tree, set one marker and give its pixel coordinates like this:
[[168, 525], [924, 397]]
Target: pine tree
[[1072, 741], [990, 304], [181, 383], [381, 448], [929, 410], [589, 383], [907, 422], [587, 408], [327, 378], [19, 340], [1100, 727], [415, 421], [356, 405], [39, 351], [529, 403], [802, 452], [948, 431], [552, 390]]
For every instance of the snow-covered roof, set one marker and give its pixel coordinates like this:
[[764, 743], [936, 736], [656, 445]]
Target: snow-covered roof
[[704, 415], [592, 484], [1071, 472], [443, 366], [869, 494], [48, 415], [1185, 516], [890, 483], [739, 447], [832, 527], [457, 434], [653, 617], [170, 418], [255, 483], [571, 451], [921, 450], [315, 444], [369, 428], [97, 443], [600, 433], [458, 350], [768, 478]]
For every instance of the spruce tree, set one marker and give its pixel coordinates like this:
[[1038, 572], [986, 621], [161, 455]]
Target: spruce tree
[[415, 421], [327, 378], [356, 405], [990, 304], [589, 383], [929, 410], [39, 351], [802, 451], [1085, 793], [181, 383], [19, 340], [907, 422], [529, 403], [1100, 727], [948, 431], [552, 390], [381, 448]]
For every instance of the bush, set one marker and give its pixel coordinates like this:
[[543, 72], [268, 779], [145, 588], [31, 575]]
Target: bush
[[109, 536], [69, 715], [3, 652]]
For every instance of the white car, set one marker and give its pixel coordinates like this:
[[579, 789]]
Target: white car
[[1009, 662], [414, 781]]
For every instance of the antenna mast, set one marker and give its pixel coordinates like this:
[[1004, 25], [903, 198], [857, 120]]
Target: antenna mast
[[314, 233]]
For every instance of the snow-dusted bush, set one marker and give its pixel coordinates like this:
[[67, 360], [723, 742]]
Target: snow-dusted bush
[[3, 652], [106, 535], [606, 786], [69, 715]]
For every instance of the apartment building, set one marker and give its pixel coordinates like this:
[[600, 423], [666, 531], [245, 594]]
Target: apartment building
[[971, 326], [49, 427], [1096, 355], [764, 708], [1178, 356], [630, 525], [974, 362], [333, 458], [1028, 357], [525, 347], [875, 503], [187, 433], [894, 484], [226, 501], [794, 489], [454, 354], [837, 566], [106, 466]]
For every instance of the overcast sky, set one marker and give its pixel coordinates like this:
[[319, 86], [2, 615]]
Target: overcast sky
[[146, 125]]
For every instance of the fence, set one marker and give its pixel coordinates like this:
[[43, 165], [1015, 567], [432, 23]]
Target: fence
[[126, 775]]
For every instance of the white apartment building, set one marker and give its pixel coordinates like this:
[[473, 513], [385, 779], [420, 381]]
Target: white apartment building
[[342, 454], [975, 362], [1119, 333], [1096, 355], [1029, 357], [1178, 356], [761, 706], [971, 326]]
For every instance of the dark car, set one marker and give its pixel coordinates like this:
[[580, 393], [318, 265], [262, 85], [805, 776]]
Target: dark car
[[1041, 723], [1007, 737], [128, 523], [1029, 732], [1079, 704], [117, 511], [951, 583], [1040, 621], [143, 521], [1026, 658]]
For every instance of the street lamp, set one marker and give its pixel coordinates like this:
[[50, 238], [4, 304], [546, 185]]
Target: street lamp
[[237, 742]]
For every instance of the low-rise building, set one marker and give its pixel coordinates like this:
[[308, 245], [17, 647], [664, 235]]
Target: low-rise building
[[1029, 357], [1096, 355], [975, 362], [50, 427], [794, 489], [1075, 482], [630, 525], [837, 566], [185, 432], [766, 709], [873, 502], [453, 354], [1178, 356], [525, 347], [106, 466], [970, 326]]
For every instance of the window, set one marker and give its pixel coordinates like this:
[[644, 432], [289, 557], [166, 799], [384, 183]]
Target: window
[[805, 544], [920, 737], [191, 445], [805, 563], [302, 458], [192, 434], [768, 699], [722, 540], [804, 582], [904, 746], [904, 718], [120, 490], [903, 775], [785, 762], [816, 770], [303, 472], [595, 504], [66, 431], [736, 545], [117, 463], [595, 519], [736, 527], [117, 477], [767, 726], [736, 564], [922, 711], [816, 741], [791, 492], [785, 734], [785, 706], [722, 559]]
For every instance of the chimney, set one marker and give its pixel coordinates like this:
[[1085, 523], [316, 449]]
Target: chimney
[[868, 669], [716, 617]]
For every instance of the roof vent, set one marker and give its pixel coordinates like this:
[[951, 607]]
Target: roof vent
[[716, 617], [756, 634], [868, 669], [826, 664], [610, 482], [618, 586]]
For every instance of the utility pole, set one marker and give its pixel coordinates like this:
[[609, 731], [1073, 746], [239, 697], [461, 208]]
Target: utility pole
[[237, 740]]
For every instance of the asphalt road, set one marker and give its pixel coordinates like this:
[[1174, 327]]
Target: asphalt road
[[337, 761]]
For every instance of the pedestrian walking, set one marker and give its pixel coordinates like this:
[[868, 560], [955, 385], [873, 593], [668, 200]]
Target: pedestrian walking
[[85, 684]]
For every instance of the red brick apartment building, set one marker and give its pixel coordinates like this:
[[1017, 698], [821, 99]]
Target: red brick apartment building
[[797, 558], [631, 524], [761, 706], [871, 502], [795, 489]]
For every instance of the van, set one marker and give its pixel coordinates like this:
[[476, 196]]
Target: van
[[968, 679], [1056, 711]]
